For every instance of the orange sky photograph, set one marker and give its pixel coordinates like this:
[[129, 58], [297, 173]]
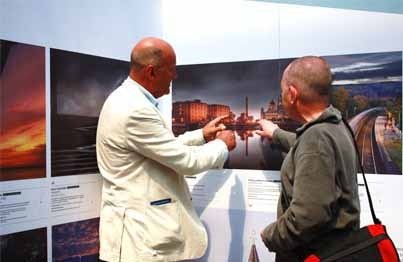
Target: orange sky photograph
[[23, 112]]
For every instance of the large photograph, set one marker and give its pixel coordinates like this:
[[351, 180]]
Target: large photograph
[[79, 86], [22, 111], [367, 89]]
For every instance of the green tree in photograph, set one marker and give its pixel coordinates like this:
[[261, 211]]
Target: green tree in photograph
[[340, 100], [396, 110], [360, 103]]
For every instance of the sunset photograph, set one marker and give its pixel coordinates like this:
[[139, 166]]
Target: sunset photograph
[[76, 241], [23, 111]]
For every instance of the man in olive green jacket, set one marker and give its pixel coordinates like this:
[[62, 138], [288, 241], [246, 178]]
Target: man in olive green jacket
[[319, 197]]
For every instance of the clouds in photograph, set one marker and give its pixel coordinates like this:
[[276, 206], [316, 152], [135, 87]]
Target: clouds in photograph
[[23, 105], [230, 83], [81, 83], [366, 68]]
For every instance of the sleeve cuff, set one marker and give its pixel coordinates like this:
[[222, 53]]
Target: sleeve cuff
[[224, 149], [277, 134], [265, 237]]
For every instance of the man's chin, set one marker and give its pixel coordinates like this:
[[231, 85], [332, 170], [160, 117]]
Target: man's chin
[[162, 94], [166, 93]]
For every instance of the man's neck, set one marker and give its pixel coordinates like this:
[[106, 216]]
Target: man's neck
[[310, 112], [143, 82]]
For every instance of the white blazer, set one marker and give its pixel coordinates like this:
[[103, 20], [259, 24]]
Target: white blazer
[[146, 211]]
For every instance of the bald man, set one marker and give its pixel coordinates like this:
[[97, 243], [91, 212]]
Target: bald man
[[146, 211], [319, 198]]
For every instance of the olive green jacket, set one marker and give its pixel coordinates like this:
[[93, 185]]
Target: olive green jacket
[[319, 178]]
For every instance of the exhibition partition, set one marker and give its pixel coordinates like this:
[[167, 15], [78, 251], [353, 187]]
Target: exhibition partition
[[60, 60]]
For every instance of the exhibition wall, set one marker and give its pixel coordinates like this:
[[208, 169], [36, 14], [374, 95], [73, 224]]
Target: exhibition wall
[[60, 60]]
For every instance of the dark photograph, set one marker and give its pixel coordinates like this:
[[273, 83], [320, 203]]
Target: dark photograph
[[79, 86], [28, 246]]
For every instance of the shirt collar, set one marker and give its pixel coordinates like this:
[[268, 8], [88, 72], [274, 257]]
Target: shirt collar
[[145, 92]]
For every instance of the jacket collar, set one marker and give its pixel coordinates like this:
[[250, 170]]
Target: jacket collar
[[144, 91], [329, 115]]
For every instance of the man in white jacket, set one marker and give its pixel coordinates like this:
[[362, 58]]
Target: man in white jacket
[[146, 211]]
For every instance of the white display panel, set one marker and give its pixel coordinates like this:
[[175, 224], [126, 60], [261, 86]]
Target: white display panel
[[386, 195], [306, 30], [234, 213], [99, 28], [23, 205], [297, 31], [220, 31], [89, 27]]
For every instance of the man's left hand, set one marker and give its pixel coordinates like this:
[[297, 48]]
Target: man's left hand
[[210, 130]]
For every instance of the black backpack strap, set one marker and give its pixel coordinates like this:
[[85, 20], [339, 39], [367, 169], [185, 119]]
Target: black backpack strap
[[374, 218]]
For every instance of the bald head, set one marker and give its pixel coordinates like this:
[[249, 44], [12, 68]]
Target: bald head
[[153, 65], [312, 77], [150, 51]]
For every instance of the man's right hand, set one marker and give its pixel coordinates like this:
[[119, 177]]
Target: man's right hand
[[268, 128], [228, 137]]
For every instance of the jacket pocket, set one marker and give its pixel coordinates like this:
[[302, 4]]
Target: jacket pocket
[[163, 226]]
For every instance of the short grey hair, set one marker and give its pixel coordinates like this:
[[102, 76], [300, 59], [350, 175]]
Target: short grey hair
[[146, 56], [312, 75]]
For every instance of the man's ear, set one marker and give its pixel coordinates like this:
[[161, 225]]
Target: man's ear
[[149, 72], [293, 91]]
